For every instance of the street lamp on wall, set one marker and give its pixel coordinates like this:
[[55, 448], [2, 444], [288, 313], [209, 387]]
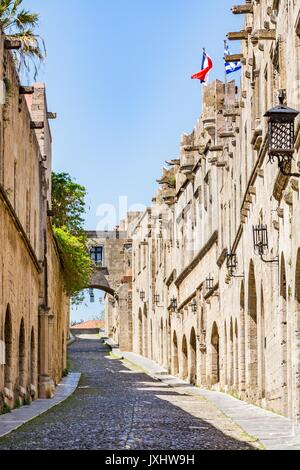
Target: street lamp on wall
[[174, 304], [261, 242], [209, 283], [194, 306], [282, 135], [232, 264], [142, 296], [157, 299]]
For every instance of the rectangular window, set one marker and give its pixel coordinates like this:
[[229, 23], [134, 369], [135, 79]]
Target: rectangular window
[[97, 255]]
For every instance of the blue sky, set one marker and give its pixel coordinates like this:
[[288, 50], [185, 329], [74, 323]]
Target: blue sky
[[118, 75]]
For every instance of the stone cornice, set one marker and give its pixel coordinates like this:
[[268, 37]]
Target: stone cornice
[[171, 278], [222, 257], [213, 239], [19, 228], [212, 291]]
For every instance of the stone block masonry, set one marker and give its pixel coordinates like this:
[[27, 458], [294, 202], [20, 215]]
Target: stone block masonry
[[228, 330], [34, 310]]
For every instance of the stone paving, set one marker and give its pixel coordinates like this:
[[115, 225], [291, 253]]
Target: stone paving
[[11, 421], [275, 432], [117, 406]]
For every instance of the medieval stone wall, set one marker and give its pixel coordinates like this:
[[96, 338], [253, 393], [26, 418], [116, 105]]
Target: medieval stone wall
[[34, 310], [240, 333]]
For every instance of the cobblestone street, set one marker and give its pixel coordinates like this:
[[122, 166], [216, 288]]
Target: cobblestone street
[[118, 407]]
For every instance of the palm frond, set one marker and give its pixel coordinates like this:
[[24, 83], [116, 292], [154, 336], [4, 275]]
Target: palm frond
[[16, 5], [21, 24], [5, 8], [25, 18]]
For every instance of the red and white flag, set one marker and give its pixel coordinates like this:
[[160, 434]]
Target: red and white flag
[[207, 65]]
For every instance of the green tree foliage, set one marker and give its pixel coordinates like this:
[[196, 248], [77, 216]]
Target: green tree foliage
[[76, 261], [21, 24], [68, 205]]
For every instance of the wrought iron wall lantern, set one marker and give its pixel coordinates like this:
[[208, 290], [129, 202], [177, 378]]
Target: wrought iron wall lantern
[[92, 296], [209, 283], [157, 299], [232, 264], [261, 243], [282, 135], [194, 306], [142, 296], [174, 304]]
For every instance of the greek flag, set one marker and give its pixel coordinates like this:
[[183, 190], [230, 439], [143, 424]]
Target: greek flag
[[230, 67]]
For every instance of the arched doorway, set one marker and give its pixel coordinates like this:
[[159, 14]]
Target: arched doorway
[[215, 355], [145, 334], [175, 360], [168, 343], [252, 330], [242, 336], [225, 355], [22, 355], [32, 369], [161, 341], [295, 341], [8, 350], [140, 333], [184, 351], [285, 359], [193, 358], [263, 344], [236, 355], [231, 356], [203, 347], [151, 339]]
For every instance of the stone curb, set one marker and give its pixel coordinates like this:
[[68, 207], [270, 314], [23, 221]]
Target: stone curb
[[17, 418], [71, 340]]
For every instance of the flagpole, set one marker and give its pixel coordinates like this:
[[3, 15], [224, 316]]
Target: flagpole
[[202, 85], [225, 81]]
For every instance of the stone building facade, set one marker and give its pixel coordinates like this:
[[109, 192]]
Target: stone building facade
[[232, 330], [111, 252], [34, 310]]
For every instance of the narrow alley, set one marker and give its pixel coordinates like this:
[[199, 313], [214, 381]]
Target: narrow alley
[[118, 407]]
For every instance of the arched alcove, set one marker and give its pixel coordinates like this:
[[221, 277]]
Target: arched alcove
[[237, 356], [32, 364], [215, 355], [193, 357], [285, 359], [263, 342], [225, 355], [8, 349], [184, 352], [175, 359], [162, 351], [145, 331], [22, 355], [252, 329], [242, 343], [231, 355], [140, 332]]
